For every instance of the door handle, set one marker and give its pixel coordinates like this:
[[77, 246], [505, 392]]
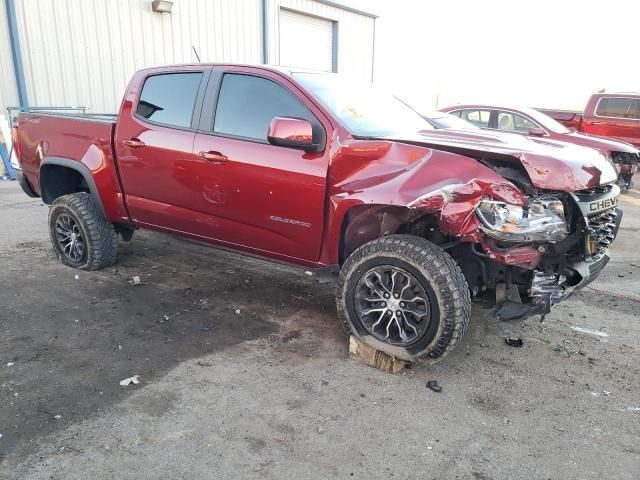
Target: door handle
[[213, 156], [133, 142]]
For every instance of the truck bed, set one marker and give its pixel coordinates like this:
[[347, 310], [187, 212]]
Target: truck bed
[[81, 141]]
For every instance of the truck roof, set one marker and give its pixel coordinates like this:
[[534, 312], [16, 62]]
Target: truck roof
[[274, 68]]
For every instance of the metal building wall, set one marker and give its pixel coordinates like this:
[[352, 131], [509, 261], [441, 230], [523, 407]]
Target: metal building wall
[[355, 35], [8, 90], [83, 52]]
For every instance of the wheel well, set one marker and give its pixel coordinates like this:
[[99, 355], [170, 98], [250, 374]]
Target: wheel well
[[364, 223], [58, 180]]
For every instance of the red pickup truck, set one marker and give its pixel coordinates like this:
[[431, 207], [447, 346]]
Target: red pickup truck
[[312, 170], [614, 115]]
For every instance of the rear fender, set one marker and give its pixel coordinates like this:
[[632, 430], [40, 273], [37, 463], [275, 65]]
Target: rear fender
[[99, 181]]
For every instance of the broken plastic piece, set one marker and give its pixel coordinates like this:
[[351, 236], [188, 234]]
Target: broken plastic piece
[[433, 385], [128, 381], [514, 342]]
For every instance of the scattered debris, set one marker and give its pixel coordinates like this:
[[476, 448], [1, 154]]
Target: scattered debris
[[513, 341], [435, 386], [629, 409], [606, 394], [237, 311], [366, 354], [128, 381], [10, 364], [135, 280], [596, 333], [57, 417]]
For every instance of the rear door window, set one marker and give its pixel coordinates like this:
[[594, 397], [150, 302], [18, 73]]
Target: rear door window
[[169, 99], [480, 118], [247, 104], [618, 107]]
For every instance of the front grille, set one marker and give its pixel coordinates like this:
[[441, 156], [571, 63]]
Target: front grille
[[625, 157], [594, 190], [602, 227]]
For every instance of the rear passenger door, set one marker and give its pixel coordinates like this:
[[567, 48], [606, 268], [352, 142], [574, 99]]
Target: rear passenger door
[[263, 197], [154, 145]]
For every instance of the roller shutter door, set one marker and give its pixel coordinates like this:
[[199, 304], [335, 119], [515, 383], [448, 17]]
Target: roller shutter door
[[306, 41]]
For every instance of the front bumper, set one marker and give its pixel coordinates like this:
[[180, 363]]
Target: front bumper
[[547, 289]]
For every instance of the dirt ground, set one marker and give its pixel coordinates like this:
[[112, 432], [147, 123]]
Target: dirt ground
[[244, 374]]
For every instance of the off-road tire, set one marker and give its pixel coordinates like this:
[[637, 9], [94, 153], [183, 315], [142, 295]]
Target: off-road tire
[[100, 238], [434, 269]]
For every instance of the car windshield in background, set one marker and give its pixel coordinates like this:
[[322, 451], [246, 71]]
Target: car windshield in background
[[365, 110], [545, 121], [441, 121]]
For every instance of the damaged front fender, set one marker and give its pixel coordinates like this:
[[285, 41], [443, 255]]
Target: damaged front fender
[[407, 181]]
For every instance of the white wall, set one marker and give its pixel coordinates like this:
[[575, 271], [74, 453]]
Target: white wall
[[355, 35], [8, 90], [83, 52]]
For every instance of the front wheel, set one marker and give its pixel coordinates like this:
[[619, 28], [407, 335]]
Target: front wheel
[[81, 236], [405, 296]]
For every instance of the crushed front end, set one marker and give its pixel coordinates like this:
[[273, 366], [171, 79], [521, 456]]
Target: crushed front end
[[532, 265]]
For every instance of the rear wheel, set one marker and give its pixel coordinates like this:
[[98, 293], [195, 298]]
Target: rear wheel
[[81, 236], [405, 296]]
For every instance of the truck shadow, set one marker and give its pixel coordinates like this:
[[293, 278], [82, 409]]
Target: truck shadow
[[74, 335]]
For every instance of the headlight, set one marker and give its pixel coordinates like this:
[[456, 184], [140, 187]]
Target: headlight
[[541, 220]]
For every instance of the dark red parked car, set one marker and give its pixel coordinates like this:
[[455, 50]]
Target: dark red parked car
[[527, 121], [308, 169]]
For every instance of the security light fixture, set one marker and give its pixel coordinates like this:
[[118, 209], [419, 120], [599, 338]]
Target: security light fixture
[[161, 6]]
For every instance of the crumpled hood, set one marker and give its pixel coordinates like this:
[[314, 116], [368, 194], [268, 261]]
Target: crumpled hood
[[550, 164]]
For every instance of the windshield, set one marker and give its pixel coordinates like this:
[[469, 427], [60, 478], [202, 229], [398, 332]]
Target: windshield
[[546, 121], [363, 109], [447, 121]]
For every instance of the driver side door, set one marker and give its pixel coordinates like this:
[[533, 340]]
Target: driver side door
[[258, 196]]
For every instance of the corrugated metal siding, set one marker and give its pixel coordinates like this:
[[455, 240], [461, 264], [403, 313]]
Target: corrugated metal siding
[[355, 35], [83, 52], [8, 90]]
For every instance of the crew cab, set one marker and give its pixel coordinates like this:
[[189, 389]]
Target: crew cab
[[527, 121], [613, 115], [313, 170]]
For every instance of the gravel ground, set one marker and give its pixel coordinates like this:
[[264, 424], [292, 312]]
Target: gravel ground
[[269, 392]]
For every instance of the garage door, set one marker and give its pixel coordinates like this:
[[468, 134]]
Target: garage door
[[306, 41]]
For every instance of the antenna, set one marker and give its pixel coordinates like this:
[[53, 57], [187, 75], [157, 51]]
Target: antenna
[[196, 52]]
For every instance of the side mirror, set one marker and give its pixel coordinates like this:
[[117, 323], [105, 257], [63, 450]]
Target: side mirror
[[537, 132], [291, 133]]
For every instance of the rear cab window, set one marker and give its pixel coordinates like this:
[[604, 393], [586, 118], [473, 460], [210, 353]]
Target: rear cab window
[[247, 104], [480, 118], [619, 107], [169, 99]]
